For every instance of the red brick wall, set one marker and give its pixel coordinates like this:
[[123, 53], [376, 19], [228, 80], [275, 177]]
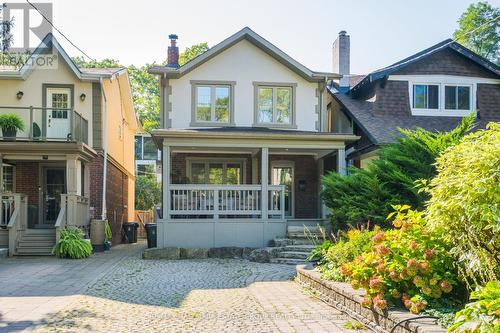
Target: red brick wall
[[27, 181], [116, 195]]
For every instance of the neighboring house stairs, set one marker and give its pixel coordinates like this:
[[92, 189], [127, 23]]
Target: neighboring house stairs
[[302, 238], [37, 242]]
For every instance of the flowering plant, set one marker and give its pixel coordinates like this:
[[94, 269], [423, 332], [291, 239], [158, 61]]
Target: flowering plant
[[409, 264]]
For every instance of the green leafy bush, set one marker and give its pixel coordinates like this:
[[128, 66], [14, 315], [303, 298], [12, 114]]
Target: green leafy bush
[[72, 245], [410, 264], [465, 203], [483, 315], [368, 194], [147, 190], [318, 253], [11, 121], [348, 246]]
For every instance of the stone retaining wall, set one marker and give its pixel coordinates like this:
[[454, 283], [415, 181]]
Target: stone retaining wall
[[344, 297]]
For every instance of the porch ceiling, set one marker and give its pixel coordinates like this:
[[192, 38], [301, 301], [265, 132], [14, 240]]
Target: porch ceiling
[[251, 138], [45, 150]]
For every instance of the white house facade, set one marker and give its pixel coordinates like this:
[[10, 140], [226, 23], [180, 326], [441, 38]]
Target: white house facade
[[244, 144]]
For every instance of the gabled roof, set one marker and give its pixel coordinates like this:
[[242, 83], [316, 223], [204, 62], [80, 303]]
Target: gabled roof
[[448, 43], [50, 42], [257, 40]]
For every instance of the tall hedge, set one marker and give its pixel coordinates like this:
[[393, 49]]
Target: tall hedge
[[465, 203], [368, 194]]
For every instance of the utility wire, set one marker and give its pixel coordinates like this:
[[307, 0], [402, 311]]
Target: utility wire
[[66, 38]]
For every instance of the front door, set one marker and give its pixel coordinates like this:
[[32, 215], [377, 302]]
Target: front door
[[54, 186], [283, 175], [58, 114]]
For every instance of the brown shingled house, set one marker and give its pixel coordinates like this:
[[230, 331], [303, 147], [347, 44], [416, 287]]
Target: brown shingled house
[[432, 89]]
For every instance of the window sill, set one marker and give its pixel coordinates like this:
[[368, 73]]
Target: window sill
[[283, 126], [442, 113], [210, 124]]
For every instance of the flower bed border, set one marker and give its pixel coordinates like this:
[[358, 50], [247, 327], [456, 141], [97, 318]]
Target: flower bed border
[[342, 296]]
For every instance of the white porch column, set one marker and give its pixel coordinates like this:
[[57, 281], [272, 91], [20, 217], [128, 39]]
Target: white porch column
[[1, 176], [86, 175], [166, 181], [321, 171], [72, 174], [264, 181], [341, 163]]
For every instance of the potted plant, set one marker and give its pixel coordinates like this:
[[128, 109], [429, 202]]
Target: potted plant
[[10, 124]]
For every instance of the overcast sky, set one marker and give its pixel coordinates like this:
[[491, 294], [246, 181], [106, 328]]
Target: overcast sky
[[382, 31]]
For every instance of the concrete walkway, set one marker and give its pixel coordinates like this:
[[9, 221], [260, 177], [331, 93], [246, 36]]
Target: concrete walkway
[[119, 292]]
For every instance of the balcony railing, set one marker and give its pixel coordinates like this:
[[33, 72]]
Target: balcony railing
[[48, 124], [188, 201]]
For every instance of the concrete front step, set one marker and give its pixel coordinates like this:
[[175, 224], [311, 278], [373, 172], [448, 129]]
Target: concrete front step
[[294, 255], [41, 243], [34, 251], [288, 261], [300, 248]]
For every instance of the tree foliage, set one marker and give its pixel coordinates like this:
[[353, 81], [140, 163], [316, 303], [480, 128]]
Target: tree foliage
[[6, 37], [147, 190], [479, 30], [192, 52], [465, 203], [369, 194]]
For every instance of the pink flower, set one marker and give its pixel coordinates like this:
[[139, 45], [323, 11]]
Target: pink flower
[[378, 238], [413, 245], [445, 286], [429, 254]]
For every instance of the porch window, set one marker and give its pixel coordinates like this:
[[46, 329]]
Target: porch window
[[212, 103], [457, 98], [425, 96], [8, 178], [209, 172]]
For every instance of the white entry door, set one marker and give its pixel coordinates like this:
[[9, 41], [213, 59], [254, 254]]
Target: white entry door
[[58, 113]]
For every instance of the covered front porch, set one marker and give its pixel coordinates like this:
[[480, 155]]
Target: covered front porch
[[44, 188], [242, 188]]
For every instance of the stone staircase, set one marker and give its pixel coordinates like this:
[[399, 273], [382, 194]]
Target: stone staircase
[[300, 241], [37, 242]]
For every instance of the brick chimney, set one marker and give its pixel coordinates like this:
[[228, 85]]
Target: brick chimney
[[341, 59], [173, 52]]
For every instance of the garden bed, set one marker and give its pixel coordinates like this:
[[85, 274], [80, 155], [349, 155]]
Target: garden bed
[[344, 297]]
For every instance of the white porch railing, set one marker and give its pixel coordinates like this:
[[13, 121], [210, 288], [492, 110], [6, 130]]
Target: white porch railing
[[14, 216], [74, 212], [223, 201]]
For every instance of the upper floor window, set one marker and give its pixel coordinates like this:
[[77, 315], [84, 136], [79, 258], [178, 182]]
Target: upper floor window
[[425, 96], [145, 148], [445, 97], [212, 103], [457, 97], [274, 105]]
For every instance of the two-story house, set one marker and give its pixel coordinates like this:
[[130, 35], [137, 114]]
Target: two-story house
[[432, 89], [244, 144], [73, 159]]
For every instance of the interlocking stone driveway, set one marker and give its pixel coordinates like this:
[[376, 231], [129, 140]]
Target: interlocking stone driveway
[[119, 292]]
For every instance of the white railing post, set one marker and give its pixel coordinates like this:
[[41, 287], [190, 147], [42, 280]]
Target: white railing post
[[341, 163], [166, 182], [264, 180], [216, 204], [282, 203]]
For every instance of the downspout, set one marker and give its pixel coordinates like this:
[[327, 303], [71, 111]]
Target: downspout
[[105, 147]]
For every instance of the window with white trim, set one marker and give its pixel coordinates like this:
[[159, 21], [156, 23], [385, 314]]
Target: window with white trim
[[8, 178], [457, 97], [216, 172], [425, 96], [274, 105], [212, 103]]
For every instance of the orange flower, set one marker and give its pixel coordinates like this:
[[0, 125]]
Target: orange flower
[[378, 238], [382, 249], [397, 223], [445, 286], [413, 245], [425, 267], [367, 302]]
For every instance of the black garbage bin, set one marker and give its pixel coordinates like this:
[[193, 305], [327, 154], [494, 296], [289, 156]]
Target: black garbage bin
[[130, 232], [151, 234]]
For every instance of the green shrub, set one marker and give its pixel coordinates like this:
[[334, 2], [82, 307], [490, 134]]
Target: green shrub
[[348, 246], [368, 194], [465, 203], [11, 121], [147, 190], [318, 253], [410, 264], [483, 315], [72, 245]]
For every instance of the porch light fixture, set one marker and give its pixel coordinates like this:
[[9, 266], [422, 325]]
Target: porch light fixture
[[82, 97], [19, 94]]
